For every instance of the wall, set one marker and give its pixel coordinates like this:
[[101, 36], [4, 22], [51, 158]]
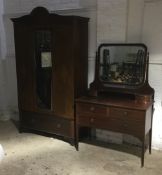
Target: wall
[[110, 21], [3, 99], [22, 6], [135, 19], [152, 36]]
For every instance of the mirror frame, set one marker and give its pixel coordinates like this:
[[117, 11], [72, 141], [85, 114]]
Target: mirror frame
[[97, 86], [140, 45]]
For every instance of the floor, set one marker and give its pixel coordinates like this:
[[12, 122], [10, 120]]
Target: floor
[[31, 154]]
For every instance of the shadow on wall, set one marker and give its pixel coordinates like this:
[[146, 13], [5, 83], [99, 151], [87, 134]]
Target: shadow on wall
[[8, 89]]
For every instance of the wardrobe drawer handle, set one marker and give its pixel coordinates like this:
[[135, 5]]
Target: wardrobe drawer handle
[[125, 113], [58, 125], [92, 120], [92, 108], [125, 125], [33, 121]]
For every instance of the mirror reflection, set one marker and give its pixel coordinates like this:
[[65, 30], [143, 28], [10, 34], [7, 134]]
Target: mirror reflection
[[43, 68], [122, 64]]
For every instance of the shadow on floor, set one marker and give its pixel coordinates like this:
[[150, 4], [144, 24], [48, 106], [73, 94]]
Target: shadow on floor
[[127, 148]]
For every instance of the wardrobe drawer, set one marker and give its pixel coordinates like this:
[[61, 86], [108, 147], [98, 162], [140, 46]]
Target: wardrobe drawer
[[48, 123], [92, 109]]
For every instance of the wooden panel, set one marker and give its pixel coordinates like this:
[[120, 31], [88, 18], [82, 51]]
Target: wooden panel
[[63, 73], [110, 118], [94, 122], [128, 127], [25, 67], [69, 69], [83, 120], [126, 114], [93, 110], [81, 55]]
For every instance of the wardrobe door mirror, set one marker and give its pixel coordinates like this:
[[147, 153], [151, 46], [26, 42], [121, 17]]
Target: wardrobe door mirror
[[43, 64]]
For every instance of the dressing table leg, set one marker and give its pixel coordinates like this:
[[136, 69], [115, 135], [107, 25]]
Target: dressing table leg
[[150, 140], [76, 146], [76, 137], [143, 152]]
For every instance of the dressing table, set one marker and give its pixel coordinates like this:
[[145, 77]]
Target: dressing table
[[120, 98]]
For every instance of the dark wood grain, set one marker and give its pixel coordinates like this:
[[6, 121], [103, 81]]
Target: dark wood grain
[[69, 69], [117, 116]]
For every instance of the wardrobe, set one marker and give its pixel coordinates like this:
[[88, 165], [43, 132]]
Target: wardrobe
[[51, 63]]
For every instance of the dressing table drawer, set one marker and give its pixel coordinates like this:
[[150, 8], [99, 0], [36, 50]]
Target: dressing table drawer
[[86, 109], [127, 114], [95, 122], [111, 118]]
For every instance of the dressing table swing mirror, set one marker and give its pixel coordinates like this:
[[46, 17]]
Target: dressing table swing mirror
[[120, 98]]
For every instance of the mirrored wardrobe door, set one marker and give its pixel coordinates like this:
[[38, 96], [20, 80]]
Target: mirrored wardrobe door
[[43, 62]]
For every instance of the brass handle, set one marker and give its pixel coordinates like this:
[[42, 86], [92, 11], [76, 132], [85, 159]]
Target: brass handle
[[92, 108], [33, 121], [92, 120], [125, 125], [125, 113], [58, 125]]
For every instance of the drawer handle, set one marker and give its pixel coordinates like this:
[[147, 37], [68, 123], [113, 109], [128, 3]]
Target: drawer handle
[[125, 125], [32, 120], [92, 108], [125, 113], [92, 120], [58, 125]]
